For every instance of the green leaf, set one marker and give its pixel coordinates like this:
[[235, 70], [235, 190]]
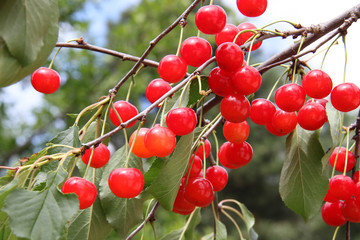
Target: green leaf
[[335, 123], [28, 33], [68, 137], [91, 132], [165, 187], [174, 102], [154, 171], [5, 231], [41, 215], [302, 185], [194, 94], [122, 213], [221, 233]]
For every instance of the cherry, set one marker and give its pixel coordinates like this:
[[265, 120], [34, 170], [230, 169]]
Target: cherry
[[321, 101], [195, 51], [199, 192], [239, 154], [195, 166], [210, 19], [351, 210], [243, 37], [160, 141], [290, 97], [312, 116], [273, 131], [200, 151], [251, 8], [345, 97], [330, 198], [156, 89], [229, 56], [356, 177], [125, 110], [126, 182], [218, 177], [317, 84], [220, 82], [261, 111], [181, 205], [181, 121], [100, 156], [332, 213], [227, 34], [357, 190], [172, 68], [284, 122], [45, 80], [342, 187], [235, 108], [341, 159], [246, 80], [139, 148], [84, 189], [236, 132]]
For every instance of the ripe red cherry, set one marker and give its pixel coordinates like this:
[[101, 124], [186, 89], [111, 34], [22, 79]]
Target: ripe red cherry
[[45, 80], [84, 189], [341, 159], [236, 132], [290, 97], [181, 205], [126, 182], [243, 37], [246, 80], [100, 156], [342, 187], [195, 51], [160, 141], [251, 8], [156, 89], [273, 131], [195, 166], [199, 192], [351, 210], [345, 97], [126, 111], [229, 56], [200, 151], [210, 19], [317, 84], [218, 177], [261, 111], [284, 122], [181, 121], [312, 116], [172, 68], [227, 34], [356, 177], [239, 154], [235, 108], [332, 213], [321, 101], [220, 82], [139, 148]]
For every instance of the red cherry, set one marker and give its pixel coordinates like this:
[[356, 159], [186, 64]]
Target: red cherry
[[321, 101], [246, 80], [342, 187], [284, 122], [317, 84], [199, 192], [172, 68], [200, 151], [251, 8], [261, 111], [290, 97], [195, 166], [341, 159], [139, 148], [181, 205], [312, 116], [243, 37], [160, 141], [210, 19], [239, 154], [235, 108], [330, 198], [236, 132], [126, 111], [345, 97], [126, 182], [351, 210], [181, 121], [357, 190], [220, 82], [356, 177], [273, 131], [84, 189], [332, 213], [227, 34], [218, 177], [100, 156], [229, 56], [45, 80], [156, 89], [195, 51]]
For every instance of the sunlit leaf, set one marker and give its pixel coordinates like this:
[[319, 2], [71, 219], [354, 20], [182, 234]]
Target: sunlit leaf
[[335, 121]]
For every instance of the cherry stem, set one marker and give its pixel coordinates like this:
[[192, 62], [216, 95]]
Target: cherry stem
[[335, 233], [222, 209], [328, 49], [106, 115], [88, 165], [132, 145], [58, 50], [346, 56], [217, 147], [337, 154], [295, 25], [187, 224], [296, 60], [180, 39], [276, 83], [124, 129], [182, 92], [347, 149]]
